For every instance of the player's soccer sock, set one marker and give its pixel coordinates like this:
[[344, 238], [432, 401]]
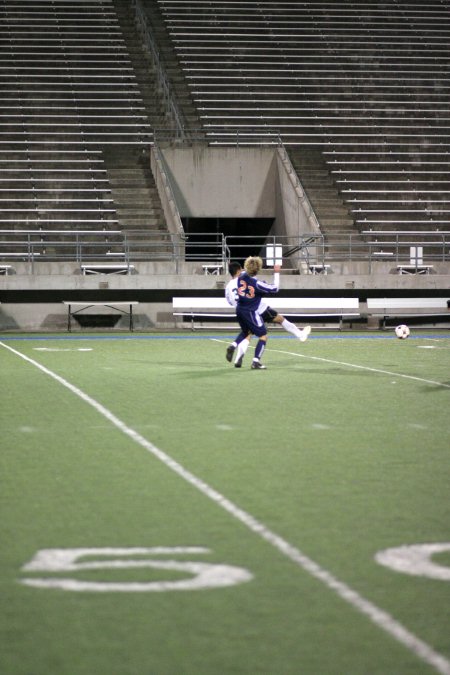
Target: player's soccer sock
[[259, 349], [291, 328], [242, 337], [242, 348]]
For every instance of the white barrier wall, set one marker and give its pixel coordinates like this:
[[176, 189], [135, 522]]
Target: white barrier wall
[[222, 182], [294, 212], [239, 183]]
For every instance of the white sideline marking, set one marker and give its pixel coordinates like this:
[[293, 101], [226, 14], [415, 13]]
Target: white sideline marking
[[58, 349], [378, 616], [373, 370], [354, 365], [349, 365]]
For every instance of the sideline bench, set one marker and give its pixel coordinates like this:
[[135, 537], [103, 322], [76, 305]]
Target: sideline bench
[[319, 269], [113, 268], [402, 308], [110, 305], [414, 269], [217, 307], [212, 268]]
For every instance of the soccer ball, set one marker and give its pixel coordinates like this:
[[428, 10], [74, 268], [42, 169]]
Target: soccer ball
[[402, 332]]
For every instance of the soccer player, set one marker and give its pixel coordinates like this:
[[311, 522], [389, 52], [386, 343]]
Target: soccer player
[[231, 294], [250, 291], [266, 312]]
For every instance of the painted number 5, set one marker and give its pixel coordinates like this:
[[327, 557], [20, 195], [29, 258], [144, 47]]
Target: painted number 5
[[200, 575]]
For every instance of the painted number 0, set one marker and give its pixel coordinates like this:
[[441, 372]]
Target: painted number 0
[[416, 560], [200, 575]]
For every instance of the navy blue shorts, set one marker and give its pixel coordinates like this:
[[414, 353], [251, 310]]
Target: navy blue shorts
[[269, 315], [251, 322]]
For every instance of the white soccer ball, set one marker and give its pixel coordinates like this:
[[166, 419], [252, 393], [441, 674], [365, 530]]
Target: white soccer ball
[[402, 332]]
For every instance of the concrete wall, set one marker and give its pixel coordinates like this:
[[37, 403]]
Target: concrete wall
[[222, 182], [243, 183], [206, 182], [154, 292], [294, 212]]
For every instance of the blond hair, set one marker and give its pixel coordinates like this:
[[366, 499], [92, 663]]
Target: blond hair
[[253, 265]]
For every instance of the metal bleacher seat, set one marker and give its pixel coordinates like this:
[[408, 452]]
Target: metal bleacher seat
[[65, 71]]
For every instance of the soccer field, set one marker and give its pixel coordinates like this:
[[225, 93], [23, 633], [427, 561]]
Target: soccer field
[[163, 513]]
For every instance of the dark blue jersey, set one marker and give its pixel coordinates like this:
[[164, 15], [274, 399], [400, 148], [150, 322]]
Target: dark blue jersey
[[251, 290]]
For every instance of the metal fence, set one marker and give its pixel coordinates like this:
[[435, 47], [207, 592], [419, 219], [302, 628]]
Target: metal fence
[[302, 253]]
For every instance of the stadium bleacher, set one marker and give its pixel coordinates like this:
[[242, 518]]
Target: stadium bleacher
[[355, 96], [366, 83], [72, 111]]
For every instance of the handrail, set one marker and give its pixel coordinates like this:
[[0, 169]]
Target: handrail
[[150, 44], [234, 137], [168, 202], [69, 233], [167, 192], [303, 200], [298, 252]]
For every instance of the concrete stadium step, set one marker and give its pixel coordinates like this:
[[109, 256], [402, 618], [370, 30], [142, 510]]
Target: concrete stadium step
[[133, 188]]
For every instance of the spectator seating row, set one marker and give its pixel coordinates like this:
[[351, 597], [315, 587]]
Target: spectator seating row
[[65, 72], [56, 186]]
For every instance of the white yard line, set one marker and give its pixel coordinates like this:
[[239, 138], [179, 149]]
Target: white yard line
[[378, 616], [350, 365], [368, 368]]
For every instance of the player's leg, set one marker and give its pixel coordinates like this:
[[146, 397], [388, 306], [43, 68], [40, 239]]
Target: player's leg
[[252, 322], [242, 341], [290, 327], [236, 342], [241, 350], [259, 351], [259, 329]]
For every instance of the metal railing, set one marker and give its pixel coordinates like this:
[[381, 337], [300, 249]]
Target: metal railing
[[61, 245], [298, 253], [232, 137], [163, 81], [413, 248]]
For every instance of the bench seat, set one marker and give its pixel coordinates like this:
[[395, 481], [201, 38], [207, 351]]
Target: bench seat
[[200, 307], [404, 308], [100, 268]]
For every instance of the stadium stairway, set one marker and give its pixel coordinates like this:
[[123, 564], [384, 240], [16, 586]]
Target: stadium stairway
[[171, 64], [138, 206]]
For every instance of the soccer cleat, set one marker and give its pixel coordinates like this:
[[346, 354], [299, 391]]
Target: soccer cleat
[[304, 334], [257, 365], [230, 352], [238, 362]]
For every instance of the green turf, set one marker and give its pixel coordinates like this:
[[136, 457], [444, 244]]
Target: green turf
[[332, 448]]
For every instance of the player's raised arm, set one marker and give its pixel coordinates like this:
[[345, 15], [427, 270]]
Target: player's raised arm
[[276, 275]]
